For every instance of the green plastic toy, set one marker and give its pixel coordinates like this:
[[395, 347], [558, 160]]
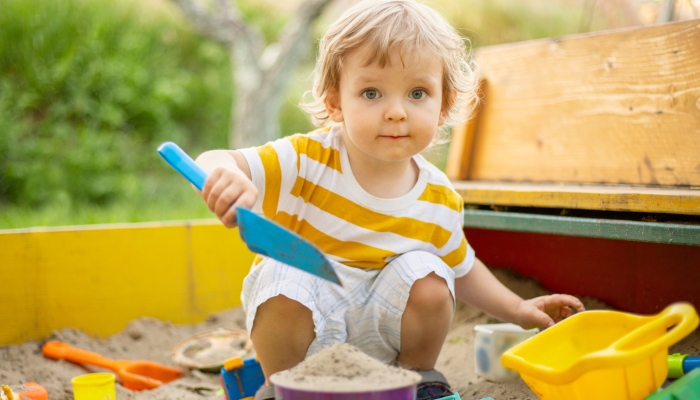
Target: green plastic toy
[[681, 364], [687, 387]]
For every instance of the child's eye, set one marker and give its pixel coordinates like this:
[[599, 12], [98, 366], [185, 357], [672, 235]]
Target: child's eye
[[418, 94], [370, 94]]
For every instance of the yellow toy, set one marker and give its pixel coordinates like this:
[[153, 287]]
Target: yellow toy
[[602, 355]]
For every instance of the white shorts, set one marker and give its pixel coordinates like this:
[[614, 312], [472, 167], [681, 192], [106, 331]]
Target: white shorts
[[366, 312]]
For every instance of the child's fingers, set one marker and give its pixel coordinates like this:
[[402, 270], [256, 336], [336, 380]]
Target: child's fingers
[[209, 184], [230, 217], [224, 190], [565, 312], [574, 303], [533, 314], [226, 206], [560, 300], [245, 200], [562, 313], [220, 191], [223, 213], [225, 200], [542, 319]]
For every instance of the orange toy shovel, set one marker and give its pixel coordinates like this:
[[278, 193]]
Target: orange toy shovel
[[135, 375]]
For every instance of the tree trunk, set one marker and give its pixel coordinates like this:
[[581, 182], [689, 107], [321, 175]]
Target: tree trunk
[[666, 11], [251, 123], [261, 74], [258, 96]]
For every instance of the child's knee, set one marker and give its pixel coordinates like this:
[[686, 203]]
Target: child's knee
[[281, 315], [430, 293], [284, 307]]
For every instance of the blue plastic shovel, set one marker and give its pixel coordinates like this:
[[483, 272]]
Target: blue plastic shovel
[[260, 234]]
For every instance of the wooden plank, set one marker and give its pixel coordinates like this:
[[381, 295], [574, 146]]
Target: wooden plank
[[98, 278], [590, 197], [618, 107], [639, 277], [585, 227], [462, 144], [459, 154]]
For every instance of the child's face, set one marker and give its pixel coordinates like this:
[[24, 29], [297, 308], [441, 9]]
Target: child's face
[[389, 114]]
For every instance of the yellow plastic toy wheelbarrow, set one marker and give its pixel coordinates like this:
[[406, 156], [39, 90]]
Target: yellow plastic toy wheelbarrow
[[601, 355]]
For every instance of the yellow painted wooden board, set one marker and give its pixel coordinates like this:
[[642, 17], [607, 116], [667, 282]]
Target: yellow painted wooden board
[[98, 278], [590, 197], [462, 141], [620, 107]]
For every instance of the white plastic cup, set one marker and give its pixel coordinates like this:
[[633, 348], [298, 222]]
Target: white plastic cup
[[492, 340], [96, 386]]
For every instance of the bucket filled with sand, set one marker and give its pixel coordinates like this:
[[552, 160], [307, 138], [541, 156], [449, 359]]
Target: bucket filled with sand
[[343, 372]]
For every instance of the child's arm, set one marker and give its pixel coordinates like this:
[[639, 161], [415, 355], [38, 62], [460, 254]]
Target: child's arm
[[228, 185], [481, 289]]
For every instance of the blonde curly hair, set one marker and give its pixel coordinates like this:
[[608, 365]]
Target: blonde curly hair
[[381, 26]]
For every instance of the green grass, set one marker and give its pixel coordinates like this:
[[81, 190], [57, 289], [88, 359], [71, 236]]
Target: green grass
[[88, 89], [163, 199]]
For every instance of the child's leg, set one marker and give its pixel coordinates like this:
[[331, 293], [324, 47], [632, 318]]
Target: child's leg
[[402, 313], [282, 332], [291, 314], [425, 322]]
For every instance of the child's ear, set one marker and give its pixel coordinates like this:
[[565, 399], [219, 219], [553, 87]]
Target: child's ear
[[445, 110], [332, 103]]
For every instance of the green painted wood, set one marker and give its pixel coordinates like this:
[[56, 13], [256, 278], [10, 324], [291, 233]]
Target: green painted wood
[[589, 227]]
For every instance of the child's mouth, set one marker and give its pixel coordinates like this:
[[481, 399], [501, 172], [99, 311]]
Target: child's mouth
[[394, 137]]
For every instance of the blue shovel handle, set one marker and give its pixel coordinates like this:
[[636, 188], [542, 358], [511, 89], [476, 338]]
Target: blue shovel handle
[[293, 249], [183, 164]]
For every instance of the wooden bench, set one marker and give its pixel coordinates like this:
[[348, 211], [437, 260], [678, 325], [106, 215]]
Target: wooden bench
[[581, 166]]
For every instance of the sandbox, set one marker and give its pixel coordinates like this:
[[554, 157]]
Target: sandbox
[[152, 339]]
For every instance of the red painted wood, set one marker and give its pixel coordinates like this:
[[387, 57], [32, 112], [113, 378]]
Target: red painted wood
[[636, 277]]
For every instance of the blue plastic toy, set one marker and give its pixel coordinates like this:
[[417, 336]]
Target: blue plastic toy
[[241, 378], [456, 397], [260, 234]]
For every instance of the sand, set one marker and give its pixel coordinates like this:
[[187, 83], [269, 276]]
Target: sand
[[151, 339], [343, 368]]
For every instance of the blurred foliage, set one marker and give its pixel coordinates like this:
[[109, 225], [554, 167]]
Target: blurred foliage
[[493, 22], [265, 17], [89, 88]]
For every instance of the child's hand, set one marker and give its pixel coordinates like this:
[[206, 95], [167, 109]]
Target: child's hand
[[228, 188], [545, 311]]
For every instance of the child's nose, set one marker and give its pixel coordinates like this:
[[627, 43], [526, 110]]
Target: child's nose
[[395, 111]]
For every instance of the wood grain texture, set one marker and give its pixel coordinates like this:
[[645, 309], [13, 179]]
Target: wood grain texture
[[99, 278], [462, 143], [589, 197], [618, 107], [458, 156]]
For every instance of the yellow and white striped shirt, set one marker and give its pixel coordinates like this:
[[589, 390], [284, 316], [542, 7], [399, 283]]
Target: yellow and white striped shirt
[[306, 184]]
